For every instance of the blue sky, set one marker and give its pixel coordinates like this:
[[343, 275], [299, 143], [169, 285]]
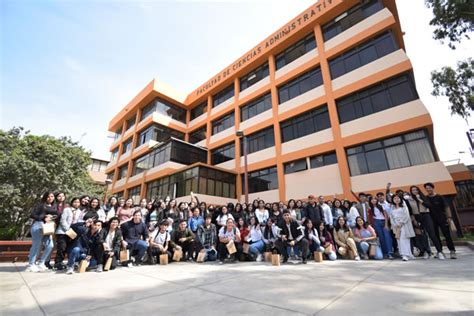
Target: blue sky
[[67, 67]]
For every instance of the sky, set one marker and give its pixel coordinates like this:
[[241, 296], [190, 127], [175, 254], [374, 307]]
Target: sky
[[67, 67]]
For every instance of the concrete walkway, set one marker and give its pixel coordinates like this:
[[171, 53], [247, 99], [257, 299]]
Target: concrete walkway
[[366, 288]]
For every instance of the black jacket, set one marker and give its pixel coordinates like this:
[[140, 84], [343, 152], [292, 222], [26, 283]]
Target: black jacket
[[132, 232], [117, 241], [41, 210], [314, 213], [296, 233]]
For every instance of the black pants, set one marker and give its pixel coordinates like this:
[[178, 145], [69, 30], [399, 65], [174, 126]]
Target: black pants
[[97, 252], [188, 249], [427, 224], [442, 224], [115, 257], [282, 247], [223, 252], [61, 249]]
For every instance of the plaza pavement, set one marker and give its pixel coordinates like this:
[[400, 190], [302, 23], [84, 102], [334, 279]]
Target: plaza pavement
[[366, 288]]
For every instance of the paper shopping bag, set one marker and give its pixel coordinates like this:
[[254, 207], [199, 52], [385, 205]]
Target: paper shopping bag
[[275, 259], [246, 248], [268, 256], [49, 228], [124, 255], [108, 264], [71, 233], [372, 250], [201, 256], [318, 256], [164, 259], [83, 265], [231, 247], [177, 255]]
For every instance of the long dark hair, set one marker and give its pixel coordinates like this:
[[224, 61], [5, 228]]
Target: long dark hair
[[338, 227], [268, 231], [45, 195], [377, 205], [306, 229], [365, 225], [294, 202]]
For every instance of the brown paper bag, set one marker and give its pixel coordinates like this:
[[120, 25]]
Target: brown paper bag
[[275, 259], [372, 250], [318, 256], [452, 226], [231, 247], [164, 259], [71, 233], [177, 255], [397, 232], [108, 264], [124, 255], [201, 256], [246, 248], [49, 228], [268, 256], [83, 265]]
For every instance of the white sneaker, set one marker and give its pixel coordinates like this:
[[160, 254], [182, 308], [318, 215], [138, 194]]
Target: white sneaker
[[70, 270], [259, 258], [426, 256], [404, 258], [453, 255], [32, 268], [100, 268], [441, 256], [42, 267], [357, 258], [130, 265]]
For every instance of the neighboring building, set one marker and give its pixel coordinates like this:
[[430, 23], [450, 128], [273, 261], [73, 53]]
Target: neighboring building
[[464, 202], [97, 170], [328, 104]]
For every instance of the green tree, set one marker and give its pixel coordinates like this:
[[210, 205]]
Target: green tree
[[453, 20], [31, 165], [456, 84]]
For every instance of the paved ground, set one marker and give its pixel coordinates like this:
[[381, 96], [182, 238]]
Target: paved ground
[[366, 288]]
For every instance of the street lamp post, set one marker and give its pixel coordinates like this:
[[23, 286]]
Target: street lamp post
[[240, 134]]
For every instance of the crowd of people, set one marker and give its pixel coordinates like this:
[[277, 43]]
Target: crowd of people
[[382, 226]]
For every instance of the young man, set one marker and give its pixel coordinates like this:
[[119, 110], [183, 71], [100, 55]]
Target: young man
[[226, 234], [183, 239], [441, 215], [196, 220], [363, 206], [207, 239], [135, 234], [328, 220], [312, 211], [160, 240], [291, 235]]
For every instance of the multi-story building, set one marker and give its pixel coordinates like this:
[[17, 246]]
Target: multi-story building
[[96, 170], [327, 103]]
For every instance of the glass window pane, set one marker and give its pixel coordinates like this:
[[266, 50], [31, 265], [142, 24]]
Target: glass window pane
[[376, 161], [357, 164], [397, 157], [420, 152]]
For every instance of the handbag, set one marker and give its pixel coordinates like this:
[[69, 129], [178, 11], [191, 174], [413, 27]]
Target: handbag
[[201, 256], [452, 226], [71, 233], [49, 228]]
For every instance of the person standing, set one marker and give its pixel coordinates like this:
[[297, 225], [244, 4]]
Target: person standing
[[62, 240], [363, 206], [313, 211], [441, 215], [327, 213], [402, 227]]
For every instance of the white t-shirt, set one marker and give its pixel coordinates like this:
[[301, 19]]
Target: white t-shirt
[[160, 238], [222, 219]]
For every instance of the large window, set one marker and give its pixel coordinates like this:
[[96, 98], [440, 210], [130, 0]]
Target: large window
[[98, 165], [382, 96], [200, 179], [165, 108], [127, 145], [262, 180], [114, 154], [158, 133], [295, 51], [223, 95], [122, 172], [223, 153], [130, 123], [256, 107], [134, 194], [199, 110], [259, 141], [390, 153], [363, 54], [223, 123], [117, 134], [300, 85], [295, 166], [304, 124], [254, 76], [323, 160], [142, 164], [351, 17], [197, 135]]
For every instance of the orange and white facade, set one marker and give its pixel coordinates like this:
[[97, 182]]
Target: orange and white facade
[[340, 65]]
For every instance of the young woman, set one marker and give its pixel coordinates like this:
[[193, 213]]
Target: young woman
[[43, 213], [152, 217], [379, 218], [249, 211], [113, 242], [337, 211], [173, 215], [311, 234], [62, 240], [226, 234], [183, 211], [121, 202], [94, 211], [261, 212], [271, 233], [203, 209], [125, 213], [255, 239], [223, 217], [352, 215], [237, 213], [402, 227], [326, 242], [110, 208], [365, 238], [295, 212], [344, 238], [242, 226], [276, 213]]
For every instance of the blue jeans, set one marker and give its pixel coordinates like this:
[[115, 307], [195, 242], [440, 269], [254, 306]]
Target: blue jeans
[[384, 236], [363, 248], [38, 239], [257, 247], [75, 255], [140, 248], [211, 255]]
